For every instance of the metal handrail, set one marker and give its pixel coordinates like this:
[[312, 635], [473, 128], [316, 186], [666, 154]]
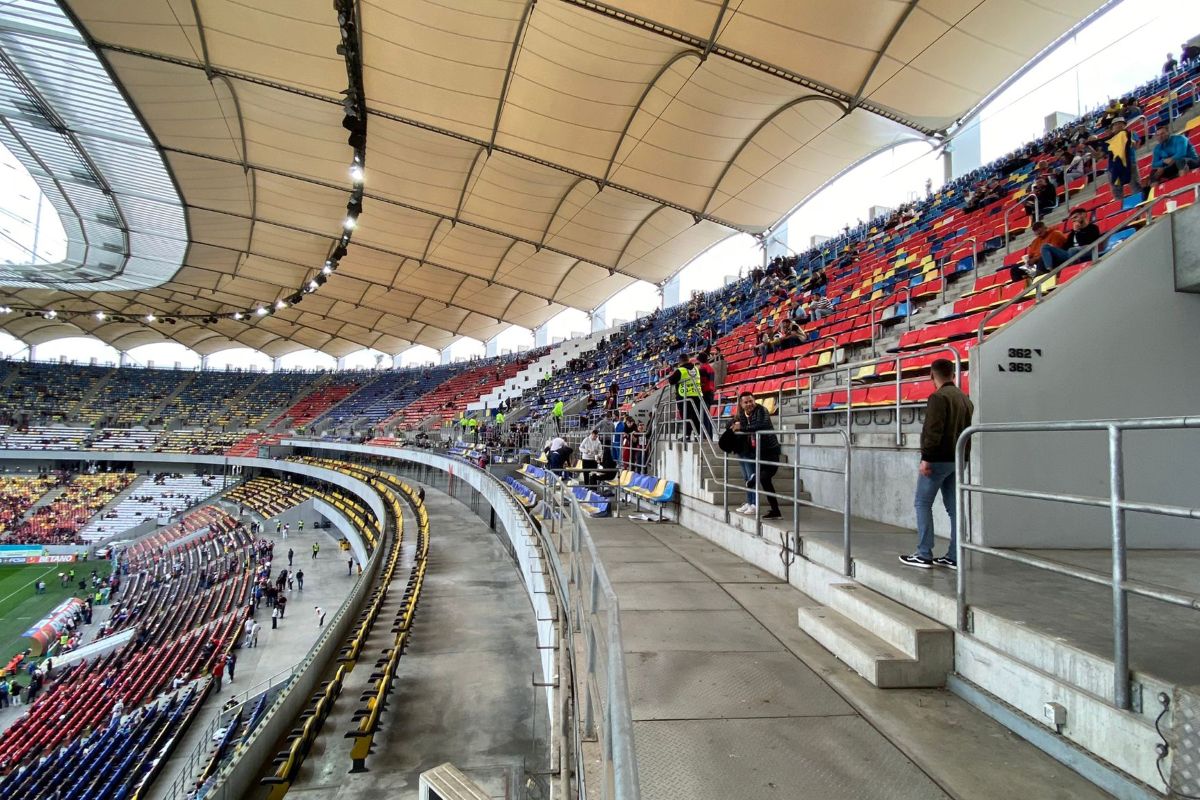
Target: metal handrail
[[1091, 251], [621, 772], [796, 466], [949, 260], [1122, 586], [851, 368], [907, 317]]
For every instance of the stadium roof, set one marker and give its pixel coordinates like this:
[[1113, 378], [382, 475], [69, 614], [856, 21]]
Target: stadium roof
[[522, 157]]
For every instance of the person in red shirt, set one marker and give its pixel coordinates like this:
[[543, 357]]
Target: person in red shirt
[[708, 389]]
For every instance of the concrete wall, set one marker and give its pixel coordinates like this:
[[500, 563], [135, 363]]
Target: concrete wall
[[1120, 343]]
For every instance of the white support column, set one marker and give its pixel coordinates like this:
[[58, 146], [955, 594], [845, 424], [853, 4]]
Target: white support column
[[122, 358], [276, 364], [203, 362], [341, 362]]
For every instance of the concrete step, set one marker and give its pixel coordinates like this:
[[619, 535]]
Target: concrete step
[[879, 662], [913, 634]]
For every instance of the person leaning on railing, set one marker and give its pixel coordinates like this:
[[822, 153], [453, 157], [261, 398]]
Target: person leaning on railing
[[751, 418]]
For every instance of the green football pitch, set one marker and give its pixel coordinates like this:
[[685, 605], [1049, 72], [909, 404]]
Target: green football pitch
[[20, 607]]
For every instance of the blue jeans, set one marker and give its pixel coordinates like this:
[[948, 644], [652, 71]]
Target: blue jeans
[[748, 476], [1054, 256], [927, 488]]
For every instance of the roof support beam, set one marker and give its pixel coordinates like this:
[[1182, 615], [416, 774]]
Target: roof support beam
[[462, 137], [508, 71], [887, 42], [741, 58], [758, 128], [712, 38], [637, 107]]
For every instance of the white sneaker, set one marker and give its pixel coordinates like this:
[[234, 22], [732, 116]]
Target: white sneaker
[[742, 508], [749, 512]]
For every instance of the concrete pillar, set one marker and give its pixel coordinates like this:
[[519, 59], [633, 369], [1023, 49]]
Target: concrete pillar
[[203, 362], [276, 364], [341, 362], [33, 352], [492, 346], [396, 361], [122, 358]]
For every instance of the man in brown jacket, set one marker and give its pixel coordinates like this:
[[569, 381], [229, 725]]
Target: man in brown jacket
[[947, 414], [1042, 235]]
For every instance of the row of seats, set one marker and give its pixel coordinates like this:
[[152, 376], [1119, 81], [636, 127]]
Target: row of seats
[[269, 497], [288, 761]]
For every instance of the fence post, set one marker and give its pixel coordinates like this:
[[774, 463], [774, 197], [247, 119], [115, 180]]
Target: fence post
[[1116, 482]]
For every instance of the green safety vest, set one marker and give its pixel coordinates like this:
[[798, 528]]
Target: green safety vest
[[499, 419], [558, 409], [471, 423], [689, 384]]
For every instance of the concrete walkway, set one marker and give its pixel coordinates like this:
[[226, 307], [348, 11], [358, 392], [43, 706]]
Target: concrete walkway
[[464, 687], [731, 699]]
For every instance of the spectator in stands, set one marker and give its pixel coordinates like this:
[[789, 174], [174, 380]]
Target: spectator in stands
[[1173, 155], [1190, 51], [557, 413], [1171, 64], [947, 414], [591, 452], [687, 387], [1041, 198], [557, 453], [819, 308], [751, 418], [1122, 158], [1031, 263], [1083, 234], [708, 388]]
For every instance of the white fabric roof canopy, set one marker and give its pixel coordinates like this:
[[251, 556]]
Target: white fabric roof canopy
[[521, 158]]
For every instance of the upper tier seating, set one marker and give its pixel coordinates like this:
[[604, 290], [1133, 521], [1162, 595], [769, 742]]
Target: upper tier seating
[[317, 402], [389, 392], [44, 392], [44, 437], [455, 393], [131, 395], [198, 442]]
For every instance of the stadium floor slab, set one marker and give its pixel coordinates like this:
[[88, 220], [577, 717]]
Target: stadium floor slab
[[731, 699]]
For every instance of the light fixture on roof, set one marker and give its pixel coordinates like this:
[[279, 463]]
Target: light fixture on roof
[[50, 314], [313, 286], [356, 173], [262, 311], [237, 315], [327, 269], [350, 224], [5, 309], [150, 318], [280, 305], [100, 315]]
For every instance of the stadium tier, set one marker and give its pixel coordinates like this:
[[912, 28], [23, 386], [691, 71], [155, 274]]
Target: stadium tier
[[719, 519]]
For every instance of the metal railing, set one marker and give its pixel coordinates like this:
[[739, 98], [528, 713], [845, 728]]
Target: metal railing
[[811, 391], [588, 598], [1090, 252], [908, 305], [1118, 505]]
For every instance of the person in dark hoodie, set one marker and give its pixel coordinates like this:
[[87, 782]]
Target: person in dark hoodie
[[751, 418]]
